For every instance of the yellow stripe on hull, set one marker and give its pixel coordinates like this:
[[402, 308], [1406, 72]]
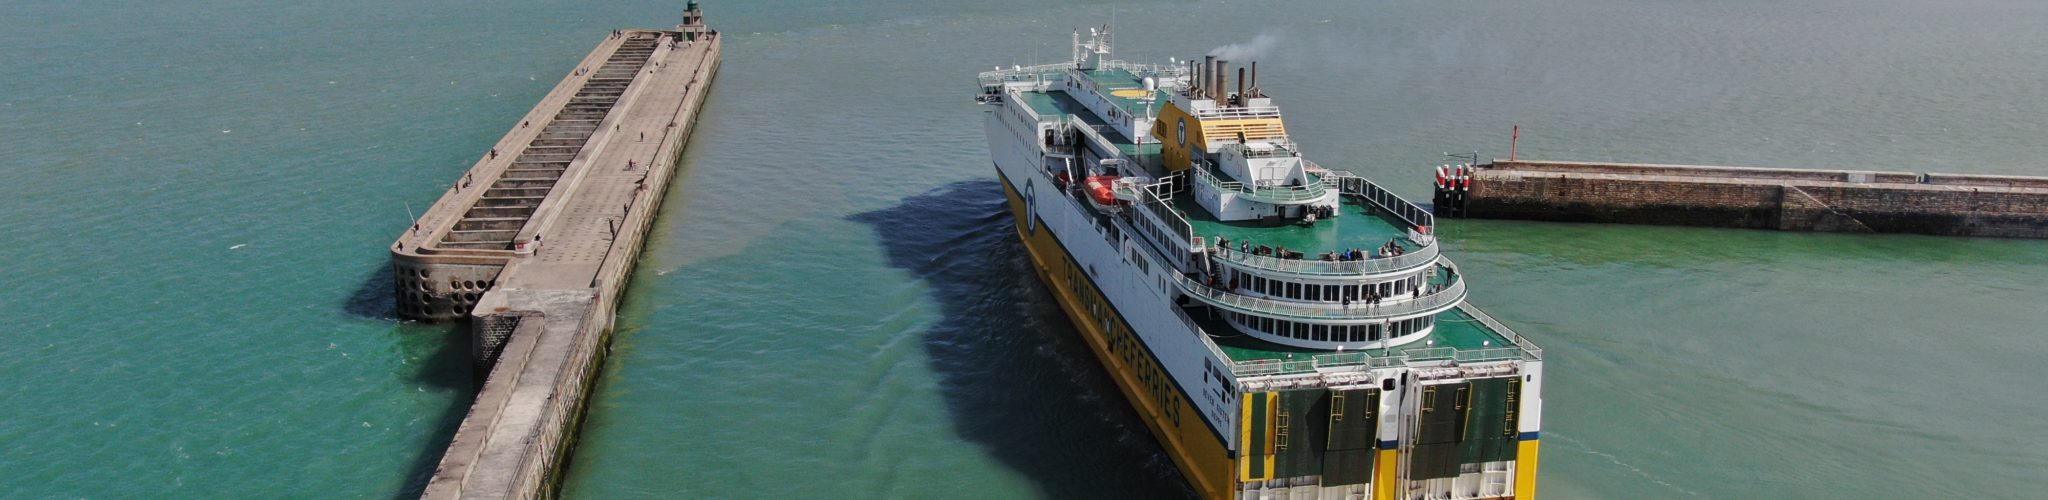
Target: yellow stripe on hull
[[1525, 470], [1387, 476], [1202, 457]]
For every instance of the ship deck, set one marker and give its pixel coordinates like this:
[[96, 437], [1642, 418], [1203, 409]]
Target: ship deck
[[1358, 225], [1455, 329], [1056, 104], [1121, 83]]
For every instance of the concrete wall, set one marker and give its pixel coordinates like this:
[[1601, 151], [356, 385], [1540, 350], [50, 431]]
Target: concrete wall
[[1783, 199], [437, 290]]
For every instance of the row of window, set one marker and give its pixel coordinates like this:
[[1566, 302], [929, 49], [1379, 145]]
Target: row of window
[[1334, 333], [1324, 293]]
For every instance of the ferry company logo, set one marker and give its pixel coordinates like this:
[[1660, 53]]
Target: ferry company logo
[[1031, 205], [1183, 132]]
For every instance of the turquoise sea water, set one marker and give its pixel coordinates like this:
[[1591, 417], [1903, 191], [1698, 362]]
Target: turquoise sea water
[[197, 195]]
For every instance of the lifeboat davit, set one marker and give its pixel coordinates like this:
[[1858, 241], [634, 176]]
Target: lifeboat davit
[[1102, 190]]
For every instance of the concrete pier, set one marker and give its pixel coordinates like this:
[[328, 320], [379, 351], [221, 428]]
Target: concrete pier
[[535, 245], [1852, 201]]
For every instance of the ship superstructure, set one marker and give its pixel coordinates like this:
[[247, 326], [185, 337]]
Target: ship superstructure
[[1285, 330]]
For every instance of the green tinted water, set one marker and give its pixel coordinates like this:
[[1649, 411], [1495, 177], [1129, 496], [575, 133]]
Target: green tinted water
[[197, 195]]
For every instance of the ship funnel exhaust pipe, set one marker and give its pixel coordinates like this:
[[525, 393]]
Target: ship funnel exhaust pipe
[[1255, 79], [1242, 98], [1208, 76], [1223, 82]]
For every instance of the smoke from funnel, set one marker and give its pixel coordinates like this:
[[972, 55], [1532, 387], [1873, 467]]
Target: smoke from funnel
[[1258, 46]]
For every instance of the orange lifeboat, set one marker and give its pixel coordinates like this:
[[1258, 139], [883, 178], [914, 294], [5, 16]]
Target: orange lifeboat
[[1101, 190]]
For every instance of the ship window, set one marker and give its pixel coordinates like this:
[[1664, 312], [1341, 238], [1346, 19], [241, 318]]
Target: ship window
[[1400, 287], [1294, 290], [1259, 284], [1300, 330], [1315, 293], [1330, 293], [1321, 333], [1266, 325], [1372, 333]]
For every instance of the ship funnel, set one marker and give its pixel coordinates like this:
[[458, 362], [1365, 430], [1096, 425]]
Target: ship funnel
[[1222, 78], [1208, 76], [1255, 79], [1242, 98]]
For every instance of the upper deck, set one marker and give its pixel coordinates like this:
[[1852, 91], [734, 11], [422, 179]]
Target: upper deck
[[1056, 105], [1358, 226], [1463, 335]]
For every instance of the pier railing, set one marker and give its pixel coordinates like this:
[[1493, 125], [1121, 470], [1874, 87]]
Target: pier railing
[[1442, 299]]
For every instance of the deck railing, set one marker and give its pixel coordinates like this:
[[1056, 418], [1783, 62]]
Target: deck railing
[[1204, 336], [1400, 207], [1420, 257], [1234, 112], [1277, 195], [1162, 219], [1521, 349], [1436, 301], [1522, 344], [1092, 135]]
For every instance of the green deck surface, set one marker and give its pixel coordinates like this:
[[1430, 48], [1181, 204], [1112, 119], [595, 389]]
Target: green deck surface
[[1356, 226], [1057, 104], [1454, 328], [1118, 79]]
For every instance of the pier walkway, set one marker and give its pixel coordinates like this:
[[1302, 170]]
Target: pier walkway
[[534, 245], [1850, 201]]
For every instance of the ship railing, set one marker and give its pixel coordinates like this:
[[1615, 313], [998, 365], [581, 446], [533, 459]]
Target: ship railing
[[1236, 112], [1314, 363], [1441, 299], [1282, 147], [1276, 195], [1035, 73], [1354, 185], [1420, 257], [1214, 350], [1166, 225], [1524, 347], [1093, 136], [1375, 358]]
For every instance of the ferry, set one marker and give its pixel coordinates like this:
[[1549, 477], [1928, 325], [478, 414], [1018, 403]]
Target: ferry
[[1284, 330]]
